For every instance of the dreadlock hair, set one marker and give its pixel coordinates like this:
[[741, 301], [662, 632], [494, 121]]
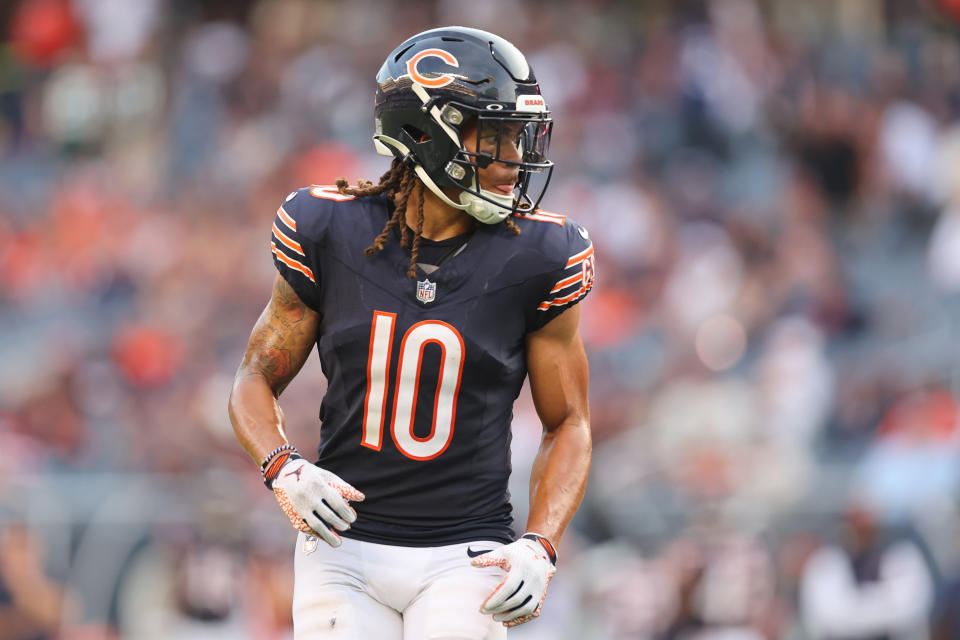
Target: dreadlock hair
[[398, 184]]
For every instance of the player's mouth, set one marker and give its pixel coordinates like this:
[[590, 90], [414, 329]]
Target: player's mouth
[[505, 188]]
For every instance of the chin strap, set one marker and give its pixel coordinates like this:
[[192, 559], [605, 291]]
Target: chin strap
[[470, 203]]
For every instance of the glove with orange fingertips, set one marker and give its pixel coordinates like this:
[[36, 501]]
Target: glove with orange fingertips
[[529, 563], [316, 501]]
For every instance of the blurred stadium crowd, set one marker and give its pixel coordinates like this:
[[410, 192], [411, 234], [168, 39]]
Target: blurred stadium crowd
[[774, 192]]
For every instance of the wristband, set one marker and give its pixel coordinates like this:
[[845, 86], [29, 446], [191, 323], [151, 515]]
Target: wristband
[[270, 467], [545, 543]]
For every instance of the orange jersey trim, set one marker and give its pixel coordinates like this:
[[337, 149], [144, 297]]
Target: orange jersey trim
[[289, 242], [580, 257], [582, 291], [293, 264], [566, 282], [287, 220], [544, 216]]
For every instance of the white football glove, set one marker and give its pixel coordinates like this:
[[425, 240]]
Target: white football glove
[[315, 500], [519, 597]]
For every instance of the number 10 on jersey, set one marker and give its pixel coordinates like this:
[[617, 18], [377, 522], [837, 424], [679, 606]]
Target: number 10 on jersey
[[407, 385]]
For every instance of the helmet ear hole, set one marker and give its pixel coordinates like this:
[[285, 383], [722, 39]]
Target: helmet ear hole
[[416, 134]]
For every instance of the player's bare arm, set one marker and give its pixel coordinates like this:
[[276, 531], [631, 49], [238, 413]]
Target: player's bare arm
[[314, 499], [559, 378], [557, 366], [280, 343]]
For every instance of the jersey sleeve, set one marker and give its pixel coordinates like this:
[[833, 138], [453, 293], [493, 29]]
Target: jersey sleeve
[[571, 281], [294, 243]]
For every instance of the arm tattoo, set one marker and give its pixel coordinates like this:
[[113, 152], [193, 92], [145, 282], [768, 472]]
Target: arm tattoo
[[281, 340]]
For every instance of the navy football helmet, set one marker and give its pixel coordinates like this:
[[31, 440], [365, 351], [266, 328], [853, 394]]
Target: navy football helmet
[[439, 80]]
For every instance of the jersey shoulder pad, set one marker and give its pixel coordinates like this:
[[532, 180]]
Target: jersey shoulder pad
[[556, 237], [300, 227], [569, 260], [312, 209]]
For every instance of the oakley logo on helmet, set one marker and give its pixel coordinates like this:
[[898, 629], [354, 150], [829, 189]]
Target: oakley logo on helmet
[[434, 83]]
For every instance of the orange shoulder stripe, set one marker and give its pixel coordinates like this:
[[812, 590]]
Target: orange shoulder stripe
[[287, 220], [289, 242], [543, 306], [293, 264], [578, 258], [566, 282]]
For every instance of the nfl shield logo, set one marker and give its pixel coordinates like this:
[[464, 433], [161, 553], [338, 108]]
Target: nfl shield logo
[[426, 291]]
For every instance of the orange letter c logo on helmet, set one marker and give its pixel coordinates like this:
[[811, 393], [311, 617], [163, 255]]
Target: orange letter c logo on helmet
[[434, 83]]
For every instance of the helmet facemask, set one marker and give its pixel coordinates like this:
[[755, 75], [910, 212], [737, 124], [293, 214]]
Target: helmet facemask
[[529, 133], [531, 128]]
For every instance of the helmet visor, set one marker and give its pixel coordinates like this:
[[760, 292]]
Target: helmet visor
[[515, 140]]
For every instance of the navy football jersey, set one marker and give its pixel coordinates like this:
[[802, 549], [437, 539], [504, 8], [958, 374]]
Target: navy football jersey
[[422, 373]]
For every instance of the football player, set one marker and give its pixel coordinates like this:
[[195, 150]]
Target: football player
[[430, 296]]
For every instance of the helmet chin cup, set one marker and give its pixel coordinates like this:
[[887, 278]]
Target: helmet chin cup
[[470, 203], [487, 212]]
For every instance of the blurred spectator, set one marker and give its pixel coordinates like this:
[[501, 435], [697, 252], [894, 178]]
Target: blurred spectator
[[912, 465], [206, 587], [867, 586], [722, 592]]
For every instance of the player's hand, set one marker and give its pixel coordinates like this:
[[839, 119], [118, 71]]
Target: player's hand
[[519, 597], [315, 500]]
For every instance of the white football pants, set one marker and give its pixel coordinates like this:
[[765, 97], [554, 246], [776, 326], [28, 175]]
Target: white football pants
[[367, 591]]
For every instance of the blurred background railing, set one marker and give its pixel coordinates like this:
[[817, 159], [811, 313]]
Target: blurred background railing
[[773, 188]]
